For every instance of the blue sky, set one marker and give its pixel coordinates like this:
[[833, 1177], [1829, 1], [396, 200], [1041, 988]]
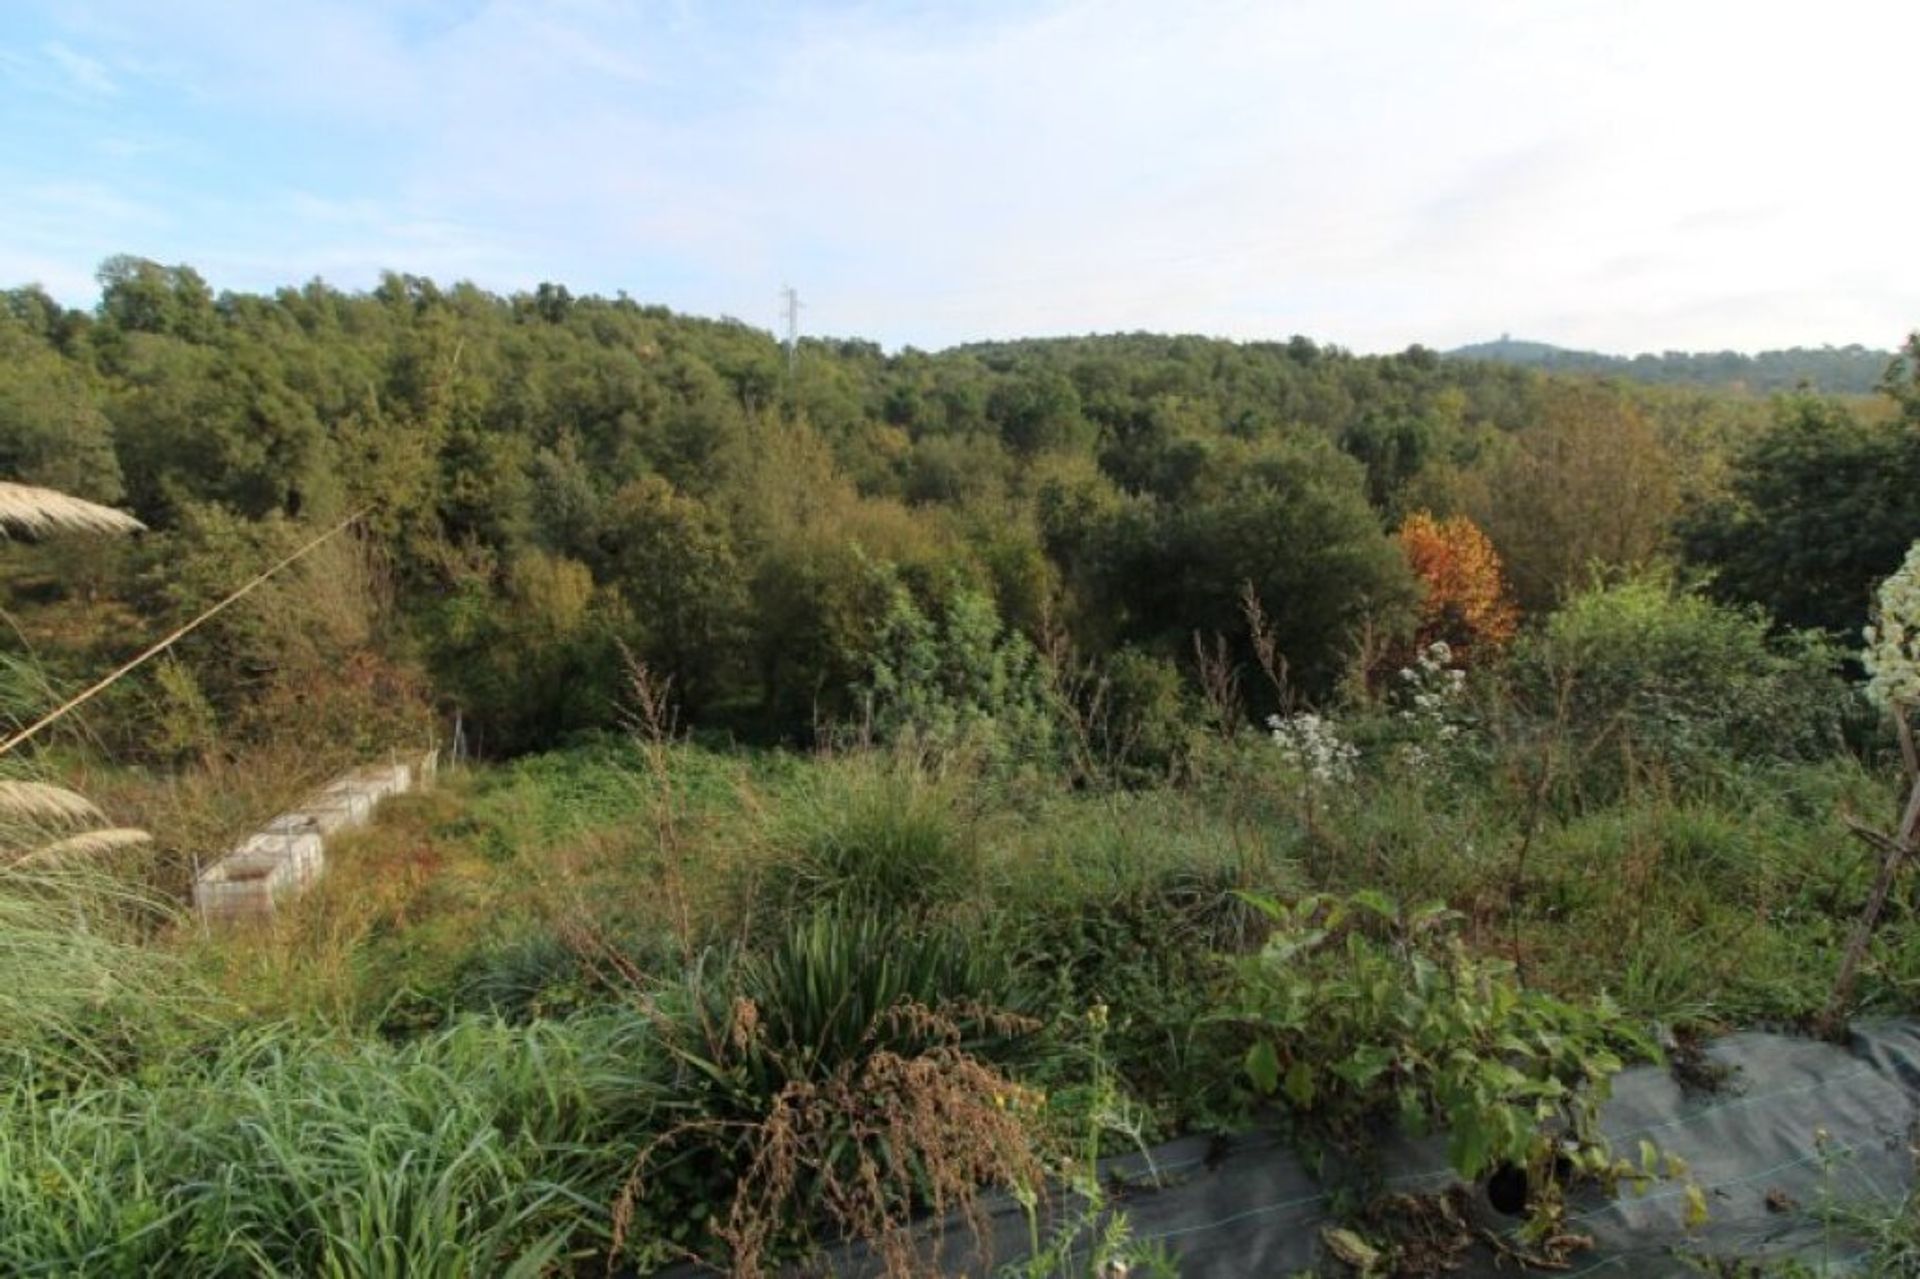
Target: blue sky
[[1622, 175]]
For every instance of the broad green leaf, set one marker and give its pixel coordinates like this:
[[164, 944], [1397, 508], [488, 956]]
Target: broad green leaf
[[1263, 1067], [1468, 1148], [1299, 1084], [1377, 902], [1364, 1065]]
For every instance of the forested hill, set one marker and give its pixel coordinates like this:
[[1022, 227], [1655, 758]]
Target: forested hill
[[1835, 370], [550, 479]]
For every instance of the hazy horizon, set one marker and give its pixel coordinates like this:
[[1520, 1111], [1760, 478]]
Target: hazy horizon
[[1622, 178]]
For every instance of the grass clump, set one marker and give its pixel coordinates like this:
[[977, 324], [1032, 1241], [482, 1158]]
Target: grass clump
[[1133, 903], [84, 991], [1645, 674], [478, 1150], [866, 833], [837, 1084]]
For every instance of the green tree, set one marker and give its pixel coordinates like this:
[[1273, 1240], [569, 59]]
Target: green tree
[[951, 675], [1820, 507], [530, 661], [1588, 483], [52, 430], [196, 423], [141, 296], [673, 560], [1292, 520], [1037, 412]]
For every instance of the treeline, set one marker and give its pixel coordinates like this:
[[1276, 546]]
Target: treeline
[[1834, 370], [548, 480]]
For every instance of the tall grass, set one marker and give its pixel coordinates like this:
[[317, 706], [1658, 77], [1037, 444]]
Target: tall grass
[[1128, 903], [81, 990], [835, 1084], [872, 832], [481, 1150]]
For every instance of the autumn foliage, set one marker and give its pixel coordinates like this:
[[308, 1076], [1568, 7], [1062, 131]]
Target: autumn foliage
[[1465, 601]]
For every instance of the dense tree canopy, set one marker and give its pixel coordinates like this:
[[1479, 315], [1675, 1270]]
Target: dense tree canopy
[[548, 479], [1821, 507]]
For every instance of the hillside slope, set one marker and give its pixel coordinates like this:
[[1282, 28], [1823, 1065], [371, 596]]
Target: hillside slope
[[1836, 370]]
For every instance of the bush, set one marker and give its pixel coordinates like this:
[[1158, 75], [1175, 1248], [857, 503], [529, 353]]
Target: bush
[[1673, 679], [952, 677], [1359, 1011], [1143, 731]]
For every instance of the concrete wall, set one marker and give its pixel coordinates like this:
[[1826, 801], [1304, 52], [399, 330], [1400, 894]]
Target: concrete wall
[[281, 860]]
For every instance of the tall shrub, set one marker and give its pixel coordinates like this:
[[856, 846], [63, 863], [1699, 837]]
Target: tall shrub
[[1672, 677], [950, 675], [1465, 603]]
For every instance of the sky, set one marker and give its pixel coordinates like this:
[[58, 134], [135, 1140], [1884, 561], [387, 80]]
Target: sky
[[1623, 176]]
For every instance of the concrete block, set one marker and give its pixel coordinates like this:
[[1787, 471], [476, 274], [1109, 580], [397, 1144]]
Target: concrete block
[[284, 857]]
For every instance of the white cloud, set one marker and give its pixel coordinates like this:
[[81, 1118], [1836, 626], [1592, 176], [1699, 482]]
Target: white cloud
[[86, 74]]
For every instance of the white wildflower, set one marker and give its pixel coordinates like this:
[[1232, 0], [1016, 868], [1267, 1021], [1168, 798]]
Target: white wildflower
[[1432, 701], [1892, 656], [1314, 745], [1433, 690], [1416, 759]]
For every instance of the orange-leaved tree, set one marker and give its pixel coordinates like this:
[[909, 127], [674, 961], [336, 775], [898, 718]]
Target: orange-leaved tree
[[1465, 602]]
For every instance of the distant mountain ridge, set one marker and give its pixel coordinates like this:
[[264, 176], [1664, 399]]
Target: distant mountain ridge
[[1841, 370]]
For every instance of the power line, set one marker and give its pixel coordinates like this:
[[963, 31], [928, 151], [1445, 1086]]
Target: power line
[[162, 646]]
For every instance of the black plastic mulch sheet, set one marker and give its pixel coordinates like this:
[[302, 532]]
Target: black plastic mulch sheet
[[1798, 1123]]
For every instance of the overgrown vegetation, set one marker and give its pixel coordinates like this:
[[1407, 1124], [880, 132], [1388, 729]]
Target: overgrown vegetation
[[550, 477], [1361, 1010], [1197, 736]]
